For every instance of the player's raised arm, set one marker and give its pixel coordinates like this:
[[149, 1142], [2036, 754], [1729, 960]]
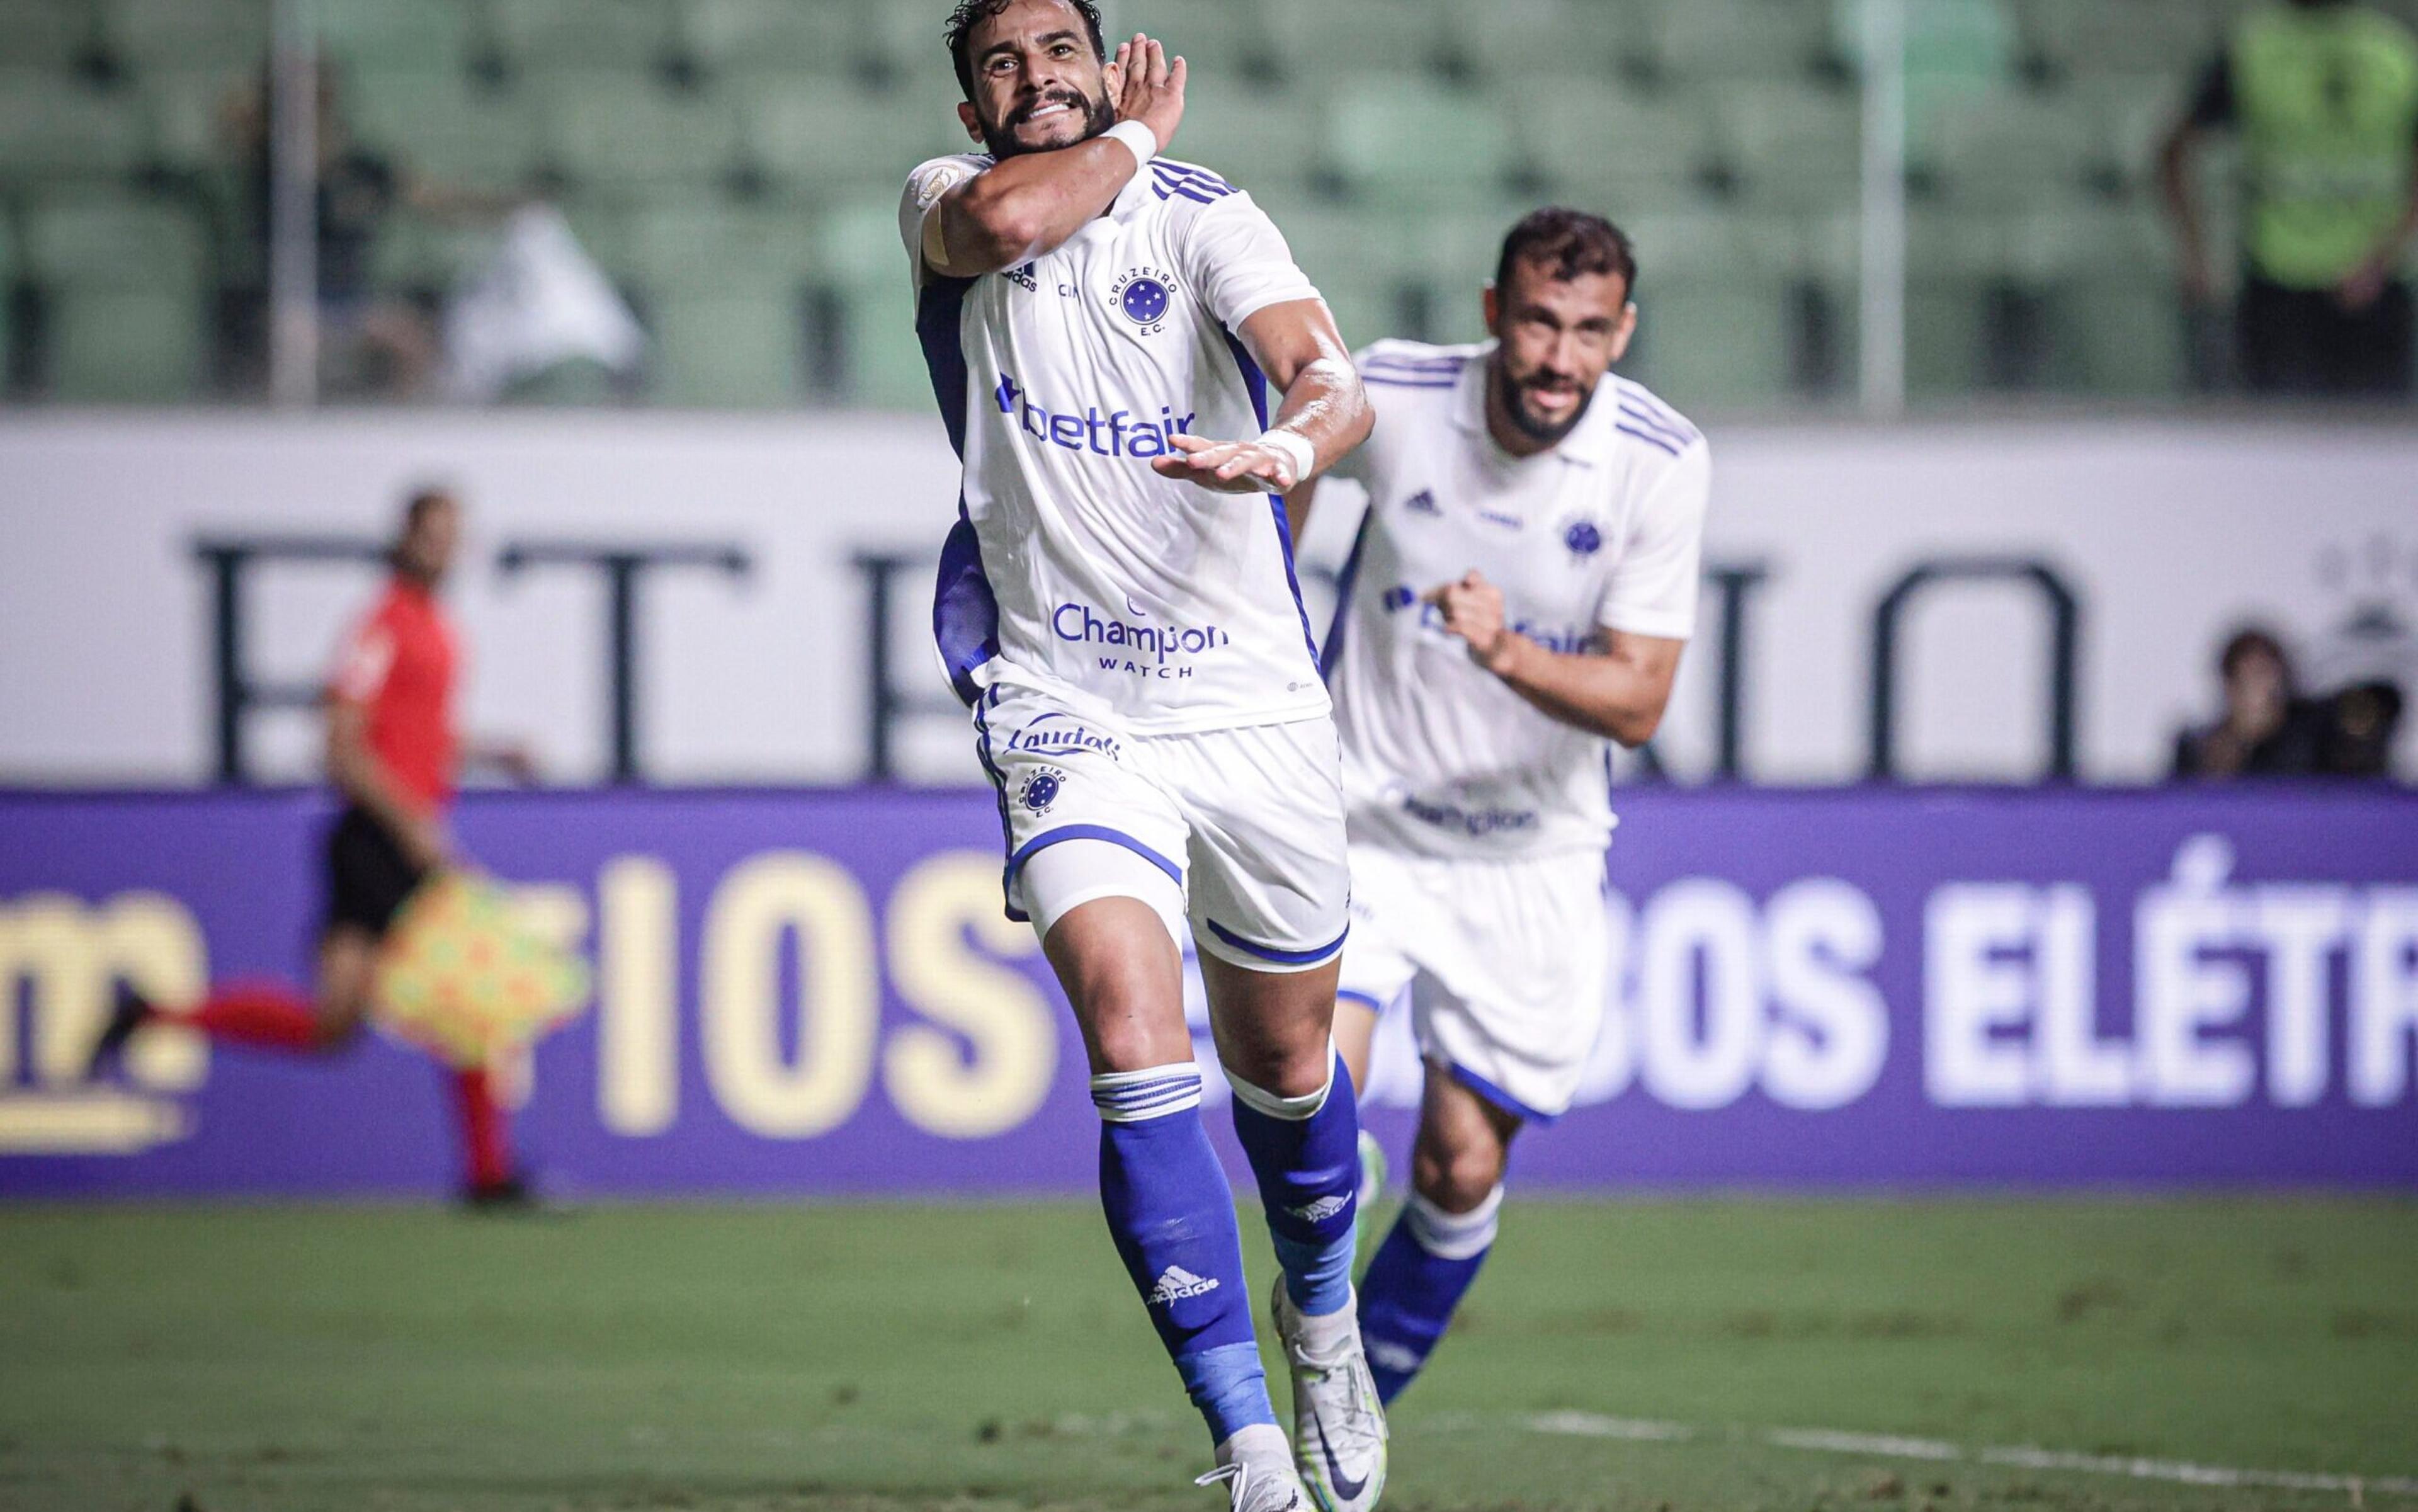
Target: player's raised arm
[[1617, 689], [1036, 94], [1326, 413]]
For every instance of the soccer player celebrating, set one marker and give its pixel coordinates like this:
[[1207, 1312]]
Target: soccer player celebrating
[[392, 752], [1519, 594], [1116, 604]]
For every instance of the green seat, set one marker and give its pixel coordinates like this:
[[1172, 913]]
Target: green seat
[[904, 42], [2011, 149], [2115, 326], [125, 346], [1223, 42], [1714, 325], [186, 34], [1366, 303], [1255, 141], [709, 246], [1778, 40], [1795, 145], [1956, 264], [831, 138], [122, 284], [2129, 114], [1396, 37], [615, 131], [45, 33], [440, 122], [51, 127], [405, 35], [1613, 152], [864, 270], [416, 251], [1518, 44], [793, 36], [188, 111], [2079, 36], [1403, 145], [739, 346], [631, 35]]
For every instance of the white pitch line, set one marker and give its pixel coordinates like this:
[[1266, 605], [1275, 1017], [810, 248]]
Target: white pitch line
[[1934, 1451]]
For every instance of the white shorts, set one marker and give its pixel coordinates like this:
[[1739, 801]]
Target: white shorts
[[1507, 964], [1248, 822]]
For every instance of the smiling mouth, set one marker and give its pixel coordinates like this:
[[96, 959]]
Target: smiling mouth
[[1045, 111]]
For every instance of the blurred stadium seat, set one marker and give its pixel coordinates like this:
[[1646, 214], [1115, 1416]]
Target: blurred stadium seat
[[1514, 43], [540, 36], [1399, 143], [1689, 41], [1400, 36], [623, 134], [410, 35], [443, 123], [121, 284], [812, 39], [55, 35], [143, 34], [1613, 151], [53, 126], [1792, 144]]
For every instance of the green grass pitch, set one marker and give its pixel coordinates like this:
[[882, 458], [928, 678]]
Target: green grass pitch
[[1679, 1356]]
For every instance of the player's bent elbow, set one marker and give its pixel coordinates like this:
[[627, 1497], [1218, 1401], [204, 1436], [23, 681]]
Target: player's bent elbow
[[992, 230], [1632, 727]]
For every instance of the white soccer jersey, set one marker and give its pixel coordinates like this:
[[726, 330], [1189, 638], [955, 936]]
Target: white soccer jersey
[[1441, 757], [1074, 567]]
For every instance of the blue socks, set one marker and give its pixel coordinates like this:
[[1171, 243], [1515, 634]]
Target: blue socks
[[1306, 1152], [1172, 1217], [1417, 1279]]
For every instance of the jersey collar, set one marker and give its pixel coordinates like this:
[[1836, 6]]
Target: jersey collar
[[1588, 446]]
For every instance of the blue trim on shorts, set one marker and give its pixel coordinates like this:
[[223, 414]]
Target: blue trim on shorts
[[1281, 958], [1500, 1098], [1080, 831], [1347, 995]]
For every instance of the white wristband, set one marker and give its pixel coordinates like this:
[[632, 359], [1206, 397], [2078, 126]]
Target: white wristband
[[1297, 450], [1139, 139]]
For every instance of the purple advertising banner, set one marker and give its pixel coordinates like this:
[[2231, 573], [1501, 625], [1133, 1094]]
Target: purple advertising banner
[[815, 992]]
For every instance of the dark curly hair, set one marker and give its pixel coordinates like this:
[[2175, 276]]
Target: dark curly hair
[[1569, 244], [972, 13]]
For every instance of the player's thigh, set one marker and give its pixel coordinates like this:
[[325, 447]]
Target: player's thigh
[[1270, 885], [1124, 979], [1463, 1143], [1274, 1028]]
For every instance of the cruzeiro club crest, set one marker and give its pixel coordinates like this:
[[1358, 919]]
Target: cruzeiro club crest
[[1585, 537], [1144, 296], [1041, 789]]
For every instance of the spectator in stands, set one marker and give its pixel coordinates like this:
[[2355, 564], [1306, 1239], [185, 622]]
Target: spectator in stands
[[2324, 94], [369, 340], [2267, 730], [2361, 723]]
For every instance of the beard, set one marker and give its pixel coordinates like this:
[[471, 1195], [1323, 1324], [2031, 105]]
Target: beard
[[1515, 393], [1098, 115]]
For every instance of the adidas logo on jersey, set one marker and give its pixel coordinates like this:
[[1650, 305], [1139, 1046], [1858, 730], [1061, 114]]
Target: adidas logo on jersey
[[1176, 1283], [1322, 1209], [1423, 502]]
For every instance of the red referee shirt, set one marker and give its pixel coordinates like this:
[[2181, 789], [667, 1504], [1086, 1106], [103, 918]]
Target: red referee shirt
[[399, 665]]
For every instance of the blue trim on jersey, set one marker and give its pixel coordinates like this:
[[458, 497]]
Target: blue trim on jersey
[[1198, 185], [1256, 382], [1344, 581], [1668, 432], [1281, 958], [999, 790], [1669, 420], [1432, 364], [1500, 1098], [965, 611], [1389, 381], [1648, 437]]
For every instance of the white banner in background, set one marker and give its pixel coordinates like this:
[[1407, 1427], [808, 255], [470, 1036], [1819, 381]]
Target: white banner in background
[[2168, 534]]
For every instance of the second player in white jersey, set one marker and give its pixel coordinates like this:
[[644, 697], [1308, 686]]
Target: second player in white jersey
[[1516, 600], [1600, 533]]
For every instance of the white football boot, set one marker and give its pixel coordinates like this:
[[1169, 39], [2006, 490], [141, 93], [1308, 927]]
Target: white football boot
[[1338, 1426], [1257, 1470]]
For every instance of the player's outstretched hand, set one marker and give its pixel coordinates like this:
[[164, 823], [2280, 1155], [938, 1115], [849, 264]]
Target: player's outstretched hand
[[1228, 466], [1472, 609], [1150, 87]]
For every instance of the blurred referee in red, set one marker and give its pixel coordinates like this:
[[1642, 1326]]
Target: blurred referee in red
[[392, 752]]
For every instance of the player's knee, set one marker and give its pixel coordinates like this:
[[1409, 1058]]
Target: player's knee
[[1455, 1178]]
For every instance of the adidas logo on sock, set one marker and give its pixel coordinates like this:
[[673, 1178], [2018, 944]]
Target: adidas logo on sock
[[1176, 1283], [1322, 1209]]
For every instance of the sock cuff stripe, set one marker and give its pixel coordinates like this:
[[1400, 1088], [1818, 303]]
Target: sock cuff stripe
[[1134, 1096], [1454, 1236], [1291, 1109]]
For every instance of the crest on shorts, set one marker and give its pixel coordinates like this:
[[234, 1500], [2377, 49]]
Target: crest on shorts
[[1041, 789], [1144, 296]]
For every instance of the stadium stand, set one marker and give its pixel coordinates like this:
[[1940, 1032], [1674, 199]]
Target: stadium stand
[[723, 154]]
